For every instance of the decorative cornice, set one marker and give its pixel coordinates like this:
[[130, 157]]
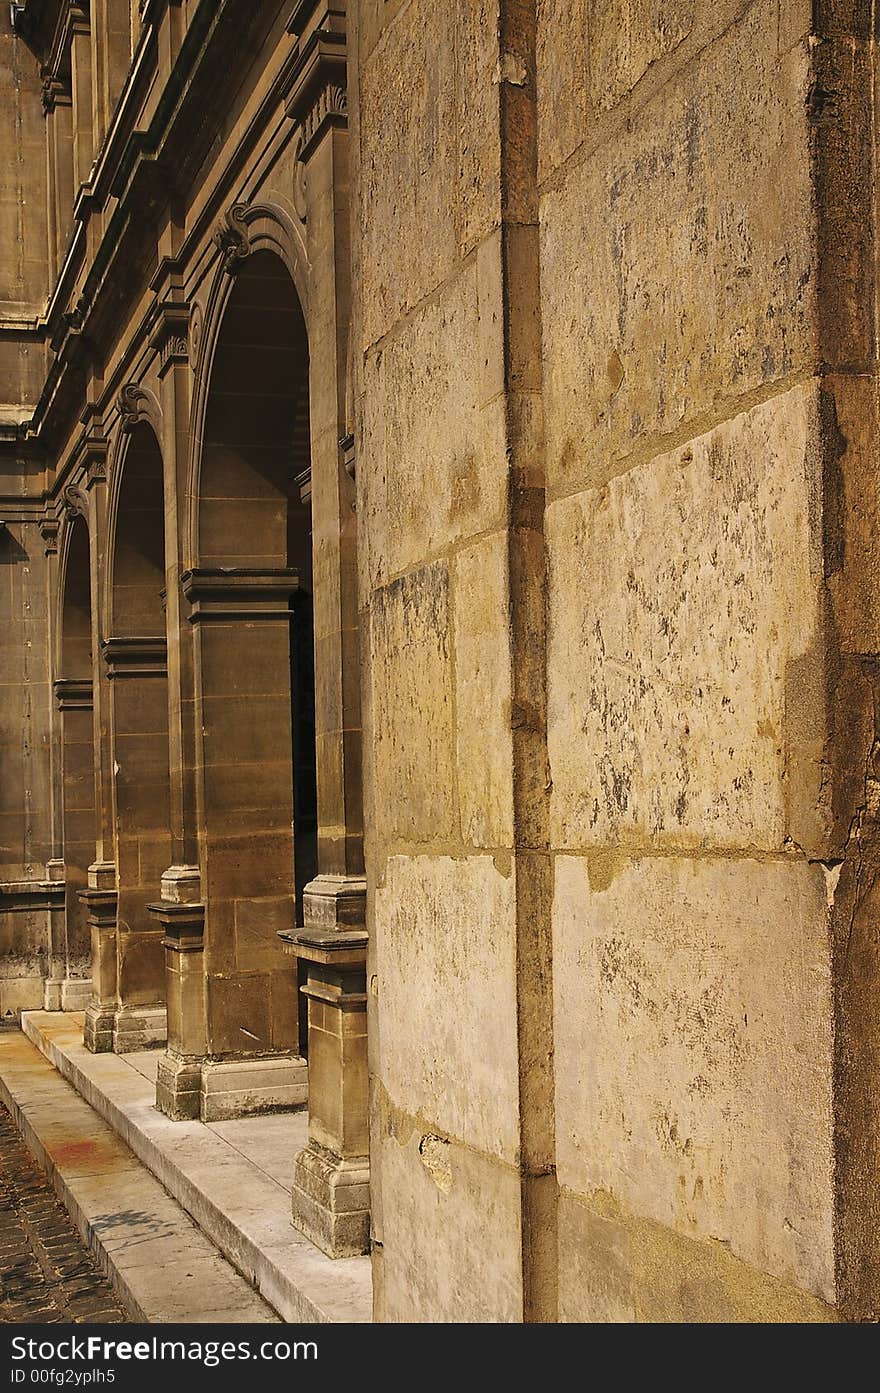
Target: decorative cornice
[[92, 456], [329, 108], [101, 905], [303, 482], [317, 98], [220, 595], [135, 657], [73, 693], [231, 238]]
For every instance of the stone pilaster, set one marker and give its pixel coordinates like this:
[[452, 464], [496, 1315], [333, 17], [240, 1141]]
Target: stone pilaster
[[136, 676], [100, 900], [331, 1176], [179, 1078]]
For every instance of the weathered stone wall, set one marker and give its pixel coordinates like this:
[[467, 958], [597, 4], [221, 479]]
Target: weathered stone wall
[[703, 177], [433, 489], [694, 1020]]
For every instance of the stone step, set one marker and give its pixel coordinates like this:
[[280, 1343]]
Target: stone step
[[233, 1178], [161, 1265]]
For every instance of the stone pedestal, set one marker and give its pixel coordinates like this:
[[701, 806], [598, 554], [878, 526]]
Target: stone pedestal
[[331, 1177], [178, 1082], [139, 1028], [100, 905], [242, 1087]]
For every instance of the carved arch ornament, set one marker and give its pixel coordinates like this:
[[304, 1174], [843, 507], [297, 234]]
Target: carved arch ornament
[[136, 404], [231, 237], [74, 503], [245, 227]]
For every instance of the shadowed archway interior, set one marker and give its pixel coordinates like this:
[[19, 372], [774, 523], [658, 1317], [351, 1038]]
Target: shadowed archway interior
[[255, 663]]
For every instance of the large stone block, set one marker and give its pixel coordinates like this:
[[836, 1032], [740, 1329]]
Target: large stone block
[[697, 292], [483, 693], [414, 734], [434, 456], [435, 166], [693, 1052], [615, 1267], [593, 53], [452, 1236], [686, 679], [447, 992]]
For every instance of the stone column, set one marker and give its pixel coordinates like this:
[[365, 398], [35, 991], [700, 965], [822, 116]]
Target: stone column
[[81, 88], [71, 949], [137, 676], [111, 50], [178, 1089], [331, 1180], [100, 906], [57, 965], [179, 1078], [331, 1176], [58, 106], [241, 619]]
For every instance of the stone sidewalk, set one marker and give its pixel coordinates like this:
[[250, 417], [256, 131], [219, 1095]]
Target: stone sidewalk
[[47, 1275]]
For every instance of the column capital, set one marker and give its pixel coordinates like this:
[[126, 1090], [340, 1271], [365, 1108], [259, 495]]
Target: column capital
[[341, 948], [49, 528], [169, 332], [317, 98], [183, 925]]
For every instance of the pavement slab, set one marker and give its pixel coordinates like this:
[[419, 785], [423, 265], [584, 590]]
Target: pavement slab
[[117, 1209], [232, 1177]]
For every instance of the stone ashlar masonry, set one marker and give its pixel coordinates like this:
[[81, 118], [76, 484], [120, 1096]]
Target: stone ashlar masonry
[[439, 621]]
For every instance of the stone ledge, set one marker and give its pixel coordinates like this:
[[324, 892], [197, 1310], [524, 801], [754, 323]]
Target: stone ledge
[[162, 1267], [241, 1207]]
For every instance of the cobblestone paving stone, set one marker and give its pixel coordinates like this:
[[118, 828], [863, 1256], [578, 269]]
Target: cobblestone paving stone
[[47, 1274]]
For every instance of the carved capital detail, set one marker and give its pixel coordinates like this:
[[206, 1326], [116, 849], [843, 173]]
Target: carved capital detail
[[330, 108], [54, 91], [170, 333], [49, 528], [231, 238]]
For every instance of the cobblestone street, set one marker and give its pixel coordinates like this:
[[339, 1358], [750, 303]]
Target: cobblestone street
[[47, 1275]]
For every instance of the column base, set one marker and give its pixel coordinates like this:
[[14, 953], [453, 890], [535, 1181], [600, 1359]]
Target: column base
[[243, 1087], [178, 1088], [52, 994], [76, 993], [98, 1028], [139, 1028], [67, 993], [331, 1201]]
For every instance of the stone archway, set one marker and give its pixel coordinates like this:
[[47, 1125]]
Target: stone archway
[[73, 693], [250, 607]]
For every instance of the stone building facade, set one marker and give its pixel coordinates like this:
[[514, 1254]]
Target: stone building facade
[[440, 625]]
